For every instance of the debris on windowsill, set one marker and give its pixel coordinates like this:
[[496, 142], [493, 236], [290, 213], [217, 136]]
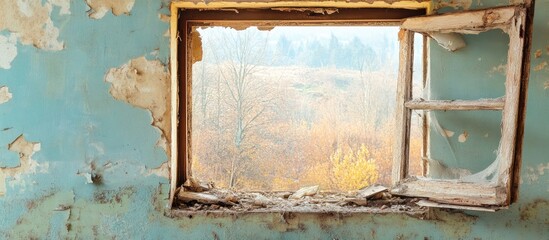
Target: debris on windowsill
[[374, 192], [195, 185], [306, 191], [374, 199]]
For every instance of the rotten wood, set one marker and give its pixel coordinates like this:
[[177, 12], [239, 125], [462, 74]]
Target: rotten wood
[[281, 18], [203, 198], [475, 21], [506, 154], [452, 191], [306, 191], [195, 185], [309, 10], [456, 105], [425, 117], [371, 191], [238, 5], [217, 200], [515, 173], [480, 194], [427, 203], [185, 106], [175, 164], [403, 114]]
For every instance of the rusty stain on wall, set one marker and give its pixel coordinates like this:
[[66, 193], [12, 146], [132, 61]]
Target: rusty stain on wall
[[456, 225], [535, 210], [538, 53], [27, 165], [41, 210], [30, 21], [98, 8], [145, 84], [98, 213], [5, 94], [540, 66], [83, 218]]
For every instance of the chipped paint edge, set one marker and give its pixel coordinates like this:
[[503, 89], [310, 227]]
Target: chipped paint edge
[[174, 102], [331, 4]]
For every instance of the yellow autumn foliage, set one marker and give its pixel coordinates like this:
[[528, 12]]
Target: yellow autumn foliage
[[353, 169]]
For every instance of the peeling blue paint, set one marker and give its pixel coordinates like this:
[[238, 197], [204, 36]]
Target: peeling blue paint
[[61, 100]]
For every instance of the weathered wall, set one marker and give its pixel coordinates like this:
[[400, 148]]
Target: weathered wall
[[81, 156]]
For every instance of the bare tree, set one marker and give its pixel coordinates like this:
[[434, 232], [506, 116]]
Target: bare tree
[[239, 56]]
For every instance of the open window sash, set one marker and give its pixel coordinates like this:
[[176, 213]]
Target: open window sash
[[496, 193]]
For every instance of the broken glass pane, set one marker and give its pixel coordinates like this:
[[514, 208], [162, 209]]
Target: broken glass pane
[[463, 144]]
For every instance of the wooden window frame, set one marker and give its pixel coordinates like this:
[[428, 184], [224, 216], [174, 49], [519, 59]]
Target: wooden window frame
[[495, 194], [442, 193], [187, 45]]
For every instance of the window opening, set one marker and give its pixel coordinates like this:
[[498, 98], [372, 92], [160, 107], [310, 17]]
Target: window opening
[[290, 107]]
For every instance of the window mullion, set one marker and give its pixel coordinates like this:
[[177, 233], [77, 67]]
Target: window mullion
[[403, 114]]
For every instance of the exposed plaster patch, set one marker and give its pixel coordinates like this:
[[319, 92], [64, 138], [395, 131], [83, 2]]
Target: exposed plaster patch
[[30, 21], [27, 165], [164, 18], [463, 137], [499, 69], [540, 66], [93, 174], [162, 170], [5, 94], [87, 176], [447, 133], [532, 174], [144, 84], [8, 50], [98, 8], [65, 6], [546, 84]]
